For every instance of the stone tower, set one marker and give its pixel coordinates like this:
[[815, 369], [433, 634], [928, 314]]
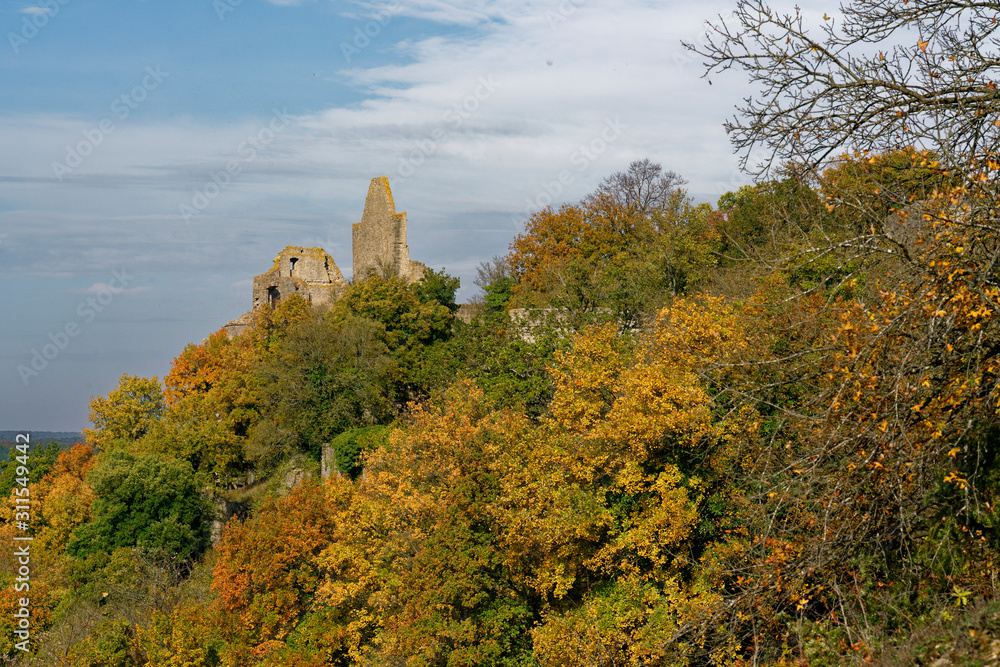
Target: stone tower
[[380, 238]]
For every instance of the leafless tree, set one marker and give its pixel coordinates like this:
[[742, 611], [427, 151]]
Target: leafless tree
[[882, 74], [644, 187], [490, 271]]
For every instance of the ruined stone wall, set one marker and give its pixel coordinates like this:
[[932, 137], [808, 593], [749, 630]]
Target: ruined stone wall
[[379, 240], [467, 311], [309, 272]]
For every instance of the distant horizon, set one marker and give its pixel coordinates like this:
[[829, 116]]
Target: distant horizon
[[8, 436]]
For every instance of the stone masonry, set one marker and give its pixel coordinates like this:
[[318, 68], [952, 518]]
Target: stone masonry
[[379, 242], [297, 270]]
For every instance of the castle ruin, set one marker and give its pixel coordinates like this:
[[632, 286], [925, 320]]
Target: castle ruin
[[379, 240], [297, 270], [379, 244]]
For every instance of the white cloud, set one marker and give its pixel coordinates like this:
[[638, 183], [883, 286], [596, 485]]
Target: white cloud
[[472, 129], [36, 10], [104, 288]]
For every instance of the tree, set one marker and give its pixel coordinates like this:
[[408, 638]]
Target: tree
[[491, 271], [126, 414], [409, 319], [326, 376], [215, 394], [349, 445], [878, 498], [643, 189], [437, 287], [64, 498], [881, 76], [42, 459], [267, 572], [620, 254], [147, 501], [769, 214]]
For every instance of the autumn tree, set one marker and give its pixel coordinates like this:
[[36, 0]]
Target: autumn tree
[[267, 571], [853, 519], [901, 97], [127, 413], [64, 498], [214, 395], [621, 253]]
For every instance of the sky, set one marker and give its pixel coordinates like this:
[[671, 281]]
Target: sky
[[158, 154]]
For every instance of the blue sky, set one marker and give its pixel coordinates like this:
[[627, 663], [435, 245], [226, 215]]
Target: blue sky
[[159, 154]]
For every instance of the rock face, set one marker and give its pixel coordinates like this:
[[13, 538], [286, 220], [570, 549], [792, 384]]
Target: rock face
[[328, 462], [379, 240], [224, 511]]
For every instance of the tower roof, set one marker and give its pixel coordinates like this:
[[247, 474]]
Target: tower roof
[[379, 200]]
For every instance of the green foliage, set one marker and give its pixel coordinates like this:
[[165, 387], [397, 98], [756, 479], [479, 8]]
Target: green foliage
[[350, 444], [327, 375], [405, 325], [766, 213], [437, 287], [406, 321], [41, 458], [499, 293], [147, 501], [511, 370]]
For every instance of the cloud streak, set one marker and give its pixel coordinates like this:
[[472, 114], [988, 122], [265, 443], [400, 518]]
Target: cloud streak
[[463, 157]]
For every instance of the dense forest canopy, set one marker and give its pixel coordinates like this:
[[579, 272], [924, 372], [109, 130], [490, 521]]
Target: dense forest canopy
[[761, 432]]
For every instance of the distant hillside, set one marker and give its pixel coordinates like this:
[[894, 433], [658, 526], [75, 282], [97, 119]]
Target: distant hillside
[[41, 437]]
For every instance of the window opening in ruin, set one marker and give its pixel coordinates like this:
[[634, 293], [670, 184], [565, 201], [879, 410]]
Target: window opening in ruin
[[291, 265], [273, 296]]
